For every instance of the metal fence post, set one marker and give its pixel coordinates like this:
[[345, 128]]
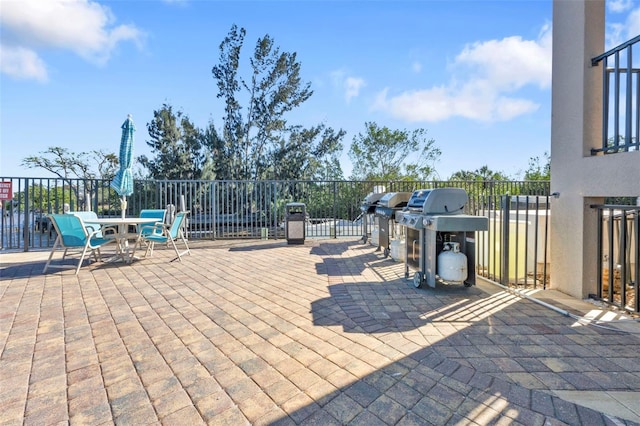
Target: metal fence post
[[335, 210], [26, 225], [504, 252]]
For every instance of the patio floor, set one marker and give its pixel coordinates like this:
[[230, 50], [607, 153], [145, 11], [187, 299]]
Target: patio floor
[[329, 332]]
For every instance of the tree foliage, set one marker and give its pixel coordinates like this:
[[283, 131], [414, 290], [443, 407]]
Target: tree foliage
[[257, 141], [80, 171], [483, 173], [307, 154], [69, 165], [539, 169], [384, 154], [178, 145]]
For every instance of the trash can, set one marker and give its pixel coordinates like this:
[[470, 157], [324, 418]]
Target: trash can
[[295, 218]]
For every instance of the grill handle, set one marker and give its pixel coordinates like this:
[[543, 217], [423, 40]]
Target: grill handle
[[413, 246]]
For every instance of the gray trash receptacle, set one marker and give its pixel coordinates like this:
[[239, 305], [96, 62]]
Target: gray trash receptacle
[[295, 218]]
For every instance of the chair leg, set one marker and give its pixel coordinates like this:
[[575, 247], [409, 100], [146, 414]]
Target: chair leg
[[186, 244], [84, 253], [150, 245], [53, 249], [175, 248], [95, 255], [135, 247]]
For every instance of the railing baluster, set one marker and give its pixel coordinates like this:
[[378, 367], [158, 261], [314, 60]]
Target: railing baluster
[[612, 143]]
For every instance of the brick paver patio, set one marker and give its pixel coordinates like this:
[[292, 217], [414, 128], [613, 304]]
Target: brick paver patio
[[261, 332]]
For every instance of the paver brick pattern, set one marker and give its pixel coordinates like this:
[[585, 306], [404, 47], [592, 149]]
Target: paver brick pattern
[[261, 332]]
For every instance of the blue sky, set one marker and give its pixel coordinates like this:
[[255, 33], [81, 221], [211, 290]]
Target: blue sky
[[475, 74]]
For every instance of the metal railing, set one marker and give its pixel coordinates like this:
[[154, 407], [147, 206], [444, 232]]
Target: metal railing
[[514, 251], [619, 256], [621, 99]]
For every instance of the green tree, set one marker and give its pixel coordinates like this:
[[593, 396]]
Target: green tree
[[83, 172], [256, 137], [69, 165], [177, 144], [384, 154], [307, 154], [539, 169], [46, 199], [214, 148], [484, 173]]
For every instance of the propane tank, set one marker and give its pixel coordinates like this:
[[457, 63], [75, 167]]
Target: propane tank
[[375, 236], [452, 265], [397, 250]]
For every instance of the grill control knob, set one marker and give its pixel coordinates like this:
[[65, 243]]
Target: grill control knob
[[426, 221]]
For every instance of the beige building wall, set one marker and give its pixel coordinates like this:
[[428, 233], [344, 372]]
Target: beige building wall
[[579, 178]]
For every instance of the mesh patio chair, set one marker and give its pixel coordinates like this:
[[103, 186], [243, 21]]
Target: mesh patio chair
[[106, 232], [148, 229], [87, 218], [161, 233], [73, 234]]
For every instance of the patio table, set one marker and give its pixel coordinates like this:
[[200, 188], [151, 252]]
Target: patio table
[[122, 235]]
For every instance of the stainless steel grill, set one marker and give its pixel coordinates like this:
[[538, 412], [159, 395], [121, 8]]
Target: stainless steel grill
[[368, 208], [385, 213], [440, 237]]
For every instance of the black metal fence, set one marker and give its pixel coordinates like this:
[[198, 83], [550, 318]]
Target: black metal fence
[[619, 255], [621, 98], [513, 251]]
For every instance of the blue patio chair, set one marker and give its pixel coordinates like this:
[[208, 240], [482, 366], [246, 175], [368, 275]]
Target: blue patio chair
[[73, 234], [154, 213], [107, 232], [87, 219], [161, 233], [148, 229]]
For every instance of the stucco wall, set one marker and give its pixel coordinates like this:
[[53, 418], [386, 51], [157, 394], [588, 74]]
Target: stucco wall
[[579, 178]]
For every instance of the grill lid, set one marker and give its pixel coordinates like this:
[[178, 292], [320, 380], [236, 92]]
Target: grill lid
[[370, 202], [373, 197], [395, 199], [438, 201]]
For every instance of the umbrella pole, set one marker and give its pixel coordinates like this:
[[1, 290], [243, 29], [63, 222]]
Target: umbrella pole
[[123, 205]]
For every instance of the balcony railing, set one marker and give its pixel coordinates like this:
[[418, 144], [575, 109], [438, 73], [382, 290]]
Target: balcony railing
[[619, 256], [621, 98]]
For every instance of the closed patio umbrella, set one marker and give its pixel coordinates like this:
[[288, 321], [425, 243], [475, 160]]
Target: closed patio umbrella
[[122, 183]]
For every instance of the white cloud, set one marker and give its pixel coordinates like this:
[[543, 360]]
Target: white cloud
[[22, 64], [439, 103], [619, 5], [619, 32], [81, 26], [486, 76], [633, 24], [352, 86], [512, 62]]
